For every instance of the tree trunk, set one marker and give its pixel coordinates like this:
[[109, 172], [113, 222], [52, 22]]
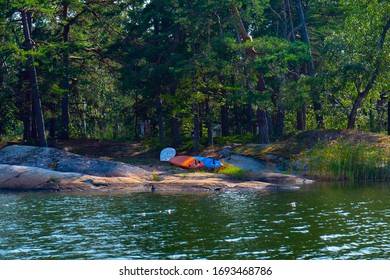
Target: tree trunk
[[278, 130], [23, 103], [301, 118], [270, 124], [262, 121], [84, 117], [372, 118], [283, 16], [291, 35], [160, 117], [263, 126], [196, 134], [115, 133], [388, 113], [363, 94], [136, 130], [305, 35], [34, 130], [301, 113], [2, 72], [26, 119], [209, 123], [52, 125], [240, 25], [236, 120], [36, 100], [175, 128], [224, 120], [279, 122], [251, 126], [310, 66], [352, 115], [65, 132]]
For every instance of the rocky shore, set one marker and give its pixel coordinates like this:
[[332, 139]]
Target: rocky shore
[[27, 168]]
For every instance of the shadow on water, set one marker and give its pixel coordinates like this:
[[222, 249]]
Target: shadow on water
[[321, 221]]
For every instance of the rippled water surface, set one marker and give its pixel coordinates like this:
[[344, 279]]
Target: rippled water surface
[[315, 222]]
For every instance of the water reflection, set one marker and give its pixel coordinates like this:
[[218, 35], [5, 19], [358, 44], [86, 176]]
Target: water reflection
[[316, 222]]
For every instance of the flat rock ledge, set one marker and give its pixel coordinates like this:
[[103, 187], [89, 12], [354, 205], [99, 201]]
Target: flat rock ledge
[[26, 178], [24, 168]]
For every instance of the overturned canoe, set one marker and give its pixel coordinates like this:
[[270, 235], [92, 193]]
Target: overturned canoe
[[209, 162], [186, 162]]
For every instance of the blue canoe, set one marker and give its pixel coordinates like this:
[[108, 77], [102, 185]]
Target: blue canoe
[[209, 162]]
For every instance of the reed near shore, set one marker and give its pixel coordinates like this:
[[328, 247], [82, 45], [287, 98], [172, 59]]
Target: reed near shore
[[343, 160]]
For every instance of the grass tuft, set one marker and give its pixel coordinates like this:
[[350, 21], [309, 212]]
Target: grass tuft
[[233, 171], [156, 177], [349, 161]]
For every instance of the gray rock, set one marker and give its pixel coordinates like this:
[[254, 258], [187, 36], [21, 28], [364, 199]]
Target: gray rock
[[272, 157], [246, 163], [33, 156], [225, 152], [58, 160], [15, 177], [104, 168]]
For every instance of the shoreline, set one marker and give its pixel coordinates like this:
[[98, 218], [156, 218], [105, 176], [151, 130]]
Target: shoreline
[[29, 168], [26, 178]]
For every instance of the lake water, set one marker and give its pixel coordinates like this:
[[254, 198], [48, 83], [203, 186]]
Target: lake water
[[314, 222]]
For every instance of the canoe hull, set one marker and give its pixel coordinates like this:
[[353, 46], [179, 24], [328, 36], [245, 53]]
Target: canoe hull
[[186, 162], [210, 162]]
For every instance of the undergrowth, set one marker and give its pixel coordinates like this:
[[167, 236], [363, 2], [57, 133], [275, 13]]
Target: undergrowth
[[349, 161], [233, 171]]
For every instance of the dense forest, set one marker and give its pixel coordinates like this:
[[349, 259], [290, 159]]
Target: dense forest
[[176, 69]]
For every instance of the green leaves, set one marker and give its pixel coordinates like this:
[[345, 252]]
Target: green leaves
[[122, 54], [358, 54]]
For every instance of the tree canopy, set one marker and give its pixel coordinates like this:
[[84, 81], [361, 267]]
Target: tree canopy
[[181, 69]]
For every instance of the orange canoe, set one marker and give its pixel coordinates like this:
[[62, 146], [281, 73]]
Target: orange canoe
[[186, 162]]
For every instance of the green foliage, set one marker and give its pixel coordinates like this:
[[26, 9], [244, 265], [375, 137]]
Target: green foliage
[[277, 54], [357, 63], [121, 56], [233, 171], [156, 177], [342, 160]]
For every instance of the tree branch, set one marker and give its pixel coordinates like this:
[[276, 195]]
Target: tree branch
[[275, 12], [371, 83]]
